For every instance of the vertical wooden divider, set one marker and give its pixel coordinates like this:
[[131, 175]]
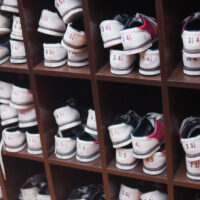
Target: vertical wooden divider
[[33, 60]]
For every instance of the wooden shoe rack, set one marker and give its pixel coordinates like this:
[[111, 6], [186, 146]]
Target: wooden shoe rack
[[172, 93]]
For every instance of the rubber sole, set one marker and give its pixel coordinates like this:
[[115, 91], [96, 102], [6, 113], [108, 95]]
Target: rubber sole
[[9, 121], [9, 9], [57, 64], [77, 64], [153, 173], [14, 150], [121, 72], [87, 159], [71, 15], [4, 60], [33, 152], [12, 104], [69, 48], [28, 124], [196, 178], [191, 73], [16, 37], [66, 157], [112, 43], [68, 126], [18, 61], [88, 130], [191, 54], [49, 32], [4, 101], [122, 144], [4, 31], [126, 167], [149, 73]]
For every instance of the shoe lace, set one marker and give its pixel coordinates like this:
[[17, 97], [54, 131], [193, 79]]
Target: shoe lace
[[1, 159]]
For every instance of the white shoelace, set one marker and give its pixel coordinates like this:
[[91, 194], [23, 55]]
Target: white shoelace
[[1, 159]]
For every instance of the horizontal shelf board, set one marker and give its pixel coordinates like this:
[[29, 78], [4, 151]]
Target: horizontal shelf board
[[24, 154], [94, 166], [134, 77], [136, 173], [180, 178], [64, 71], [15, 68], [179, 79]]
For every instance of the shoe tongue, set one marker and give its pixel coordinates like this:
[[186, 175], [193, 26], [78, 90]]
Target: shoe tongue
[[122, 18], [135, 21], [195, 16]]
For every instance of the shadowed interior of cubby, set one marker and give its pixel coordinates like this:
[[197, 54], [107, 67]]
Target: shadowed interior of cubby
[[103, 10], [53, 93], [67, 179], [143, 186], [17, 174], [116, 98], [185, 193], [183, 103]]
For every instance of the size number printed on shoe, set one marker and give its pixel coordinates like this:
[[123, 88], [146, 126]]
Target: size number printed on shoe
[[191, 145], [118, 58], [121, 154], [195, 165], [60, 2], [126, 37], [49, 51], [106, 27], [114, 132], [81, 147], [148, 198], [15, 47], [193, 40], [148, 59], [149, 160], [125, 194]]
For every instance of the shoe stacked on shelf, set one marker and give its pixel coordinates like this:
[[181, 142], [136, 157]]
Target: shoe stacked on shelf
[[74, 137], [139, 192], [72, 49], [35, 188], [1, 194], [128, 36], [135, 138], [18, 117], [16, 46], [191, 44], [190, 140], [89, 192]]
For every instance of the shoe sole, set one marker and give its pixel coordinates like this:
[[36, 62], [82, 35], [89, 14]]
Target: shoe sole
[[9, 121], [112, 43], [4, 60], [68, 126], [9, 9], [18, 61], [152, 172], [191, 53], [28, 124], [71, 15], [196, 178], [87, 159], [4, 31], [57, 64], [14, 150], [66, 157], [34, 152], [49, 32], [17, 106], [149, 73], [141, 48], [127, 142], [77, 64], [88, 130], [192, 73], [126, 167], [121, 72], [71, 48], [16, 37]]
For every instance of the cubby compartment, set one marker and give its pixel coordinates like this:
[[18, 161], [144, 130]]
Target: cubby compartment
[[103, 10], [17, 174], [143, 186], [184, 193], [120, 98], [65, 180], [183, 103]]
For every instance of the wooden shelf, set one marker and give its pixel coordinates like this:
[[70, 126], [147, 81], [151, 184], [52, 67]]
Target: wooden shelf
[[64, 71], [25, 155], [134, 77], [14, 68], [136, 173], [179, 79], [94, 166], [181, 179]]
